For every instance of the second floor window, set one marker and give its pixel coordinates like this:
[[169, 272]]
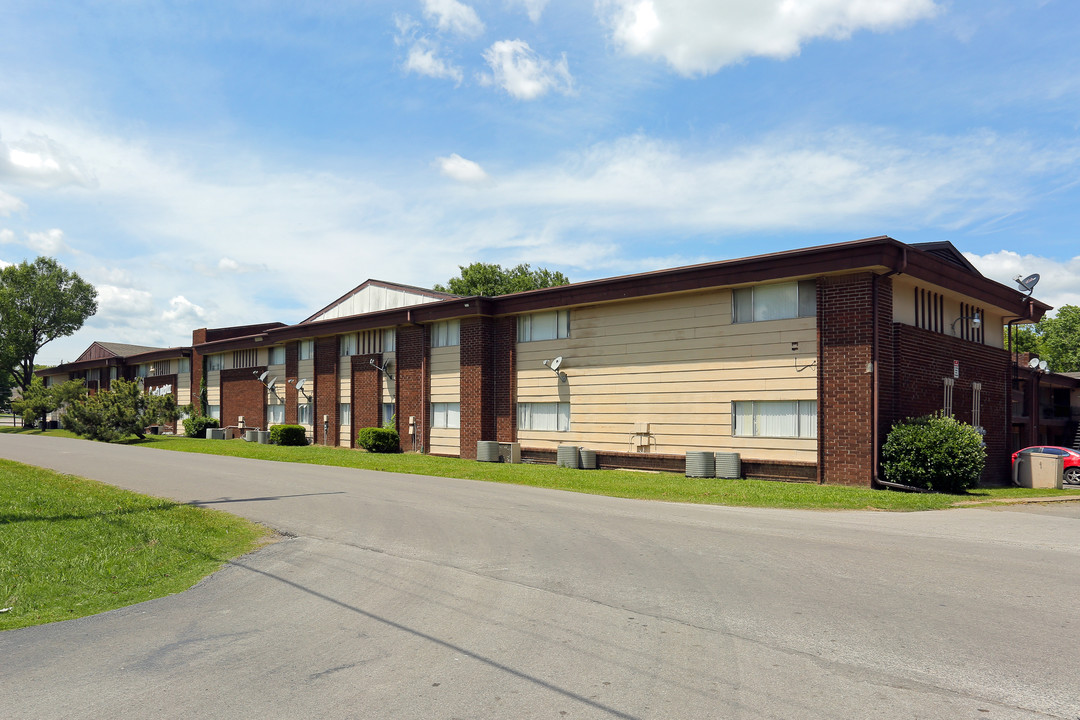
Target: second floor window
[[446, 333], [551, 325], [778, 301]]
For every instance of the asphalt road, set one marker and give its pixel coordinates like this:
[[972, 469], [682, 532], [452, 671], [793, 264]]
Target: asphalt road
[[413, 597]]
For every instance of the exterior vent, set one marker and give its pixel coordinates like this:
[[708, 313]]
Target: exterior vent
[[487, 451], [251, 436], [568, 456], [215, 433], [264, 437], [509, 452], [588, 459], [700, 464], [728, 465]]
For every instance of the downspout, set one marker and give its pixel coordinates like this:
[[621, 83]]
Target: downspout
[[875, 384]]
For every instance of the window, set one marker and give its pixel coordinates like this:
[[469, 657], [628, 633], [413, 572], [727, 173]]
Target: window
[[347, 345], [544, 416], [345, 413], [245, 358], [113, 373], [306, 349], [215, 362], [389, 340], [275, 414], [140, 371], [159, 368], [214, 411], [947, 406], [775, 418], [446, 334], [93, 375], [304, 413], [779, 301], [275, 355], [445, 415], [387, 413], [544, 326], [183, 365]]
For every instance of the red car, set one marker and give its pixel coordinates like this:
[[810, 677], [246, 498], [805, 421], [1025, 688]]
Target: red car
[[1071, 459]]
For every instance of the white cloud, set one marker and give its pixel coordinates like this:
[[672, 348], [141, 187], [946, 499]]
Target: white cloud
[[10, 204], [534, 8], [40, 161], [454, 17], [4, 264], [184, 312], [50, 242], [460, 169], [699, 37], [1057, 279], [7, 237], [521, 72], [423, 60]]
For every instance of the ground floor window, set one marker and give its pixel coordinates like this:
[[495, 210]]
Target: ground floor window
[[544, 416], [775, 418], [387, 413], [345, 413], [304, 413], [445, 415], [213, 411], [275, 415]]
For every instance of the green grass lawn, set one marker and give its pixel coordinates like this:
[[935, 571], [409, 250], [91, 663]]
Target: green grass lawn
[[71, 547], [669, 487]]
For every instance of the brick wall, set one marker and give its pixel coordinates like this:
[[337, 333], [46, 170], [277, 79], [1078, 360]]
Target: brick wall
[[197, 337], [366, 393], [292, 352], [412, 385], [924, 359], [477, 384], [243, 395], [326, 390], [845, 400], [504, 367]]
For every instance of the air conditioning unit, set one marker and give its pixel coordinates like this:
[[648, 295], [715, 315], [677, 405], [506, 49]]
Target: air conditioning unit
[[510, 452]]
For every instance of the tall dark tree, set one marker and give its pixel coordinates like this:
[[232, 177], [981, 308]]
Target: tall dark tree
[[489, 280], [39, 302]]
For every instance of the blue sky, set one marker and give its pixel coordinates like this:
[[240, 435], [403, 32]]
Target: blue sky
[[220, 163]]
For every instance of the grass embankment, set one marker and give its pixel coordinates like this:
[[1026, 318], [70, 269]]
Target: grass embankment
[[71, 547]]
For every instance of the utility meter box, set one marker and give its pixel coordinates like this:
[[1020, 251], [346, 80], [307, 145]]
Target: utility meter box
[[1040, 470]]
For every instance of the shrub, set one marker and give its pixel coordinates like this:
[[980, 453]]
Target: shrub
[[378, 440], [195, 426], [934, 452], [122, 410], [288, 435]]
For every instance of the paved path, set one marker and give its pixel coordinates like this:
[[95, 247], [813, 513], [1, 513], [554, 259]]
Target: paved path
[[414, 597]]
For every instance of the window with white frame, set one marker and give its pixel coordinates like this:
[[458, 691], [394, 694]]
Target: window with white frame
[[345, 413], [446, 334], [445, 415], [275, 415], [183, 365], [306, 349], [551, 325], [215, 362], [347, 345], [275, 355], [214, 411], [778, 301], [550, 416], [245, 358], [389, 340], [775, 418], [304, 413]]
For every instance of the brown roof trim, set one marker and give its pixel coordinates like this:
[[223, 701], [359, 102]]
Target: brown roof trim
[[163, 354], [116, 361], [426, 292]]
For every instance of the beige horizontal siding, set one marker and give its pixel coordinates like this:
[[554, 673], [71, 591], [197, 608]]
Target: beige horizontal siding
[[445, 374], [676, 363], [445, 441]]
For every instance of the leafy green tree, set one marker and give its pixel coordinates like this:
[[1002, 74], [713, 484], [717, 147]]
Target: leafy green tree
[[39, 302], [38, 401], [490, 280], [1059, 339], [1025, 339], [124, 409]]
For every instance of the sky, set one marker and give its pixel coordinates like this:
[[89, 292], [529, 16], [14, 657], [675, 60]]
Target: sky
[[218, 163]]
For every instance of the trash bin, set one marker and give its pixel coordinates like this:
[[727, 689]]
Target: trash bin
[[1040, 470]]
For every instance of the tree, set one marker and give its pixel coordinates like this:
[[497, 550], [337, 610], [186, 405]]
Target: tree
[[124, 409], [1054, 339], [39, 302], [38, 401], [489, 280]]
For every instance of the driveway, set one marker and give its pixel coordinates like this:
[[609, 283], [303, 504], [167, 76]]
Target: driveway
[[414, 597]]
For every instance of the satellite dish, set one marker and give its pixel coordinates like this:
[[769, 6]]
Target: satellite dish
[[1043, 365], [1033, 363], [556, 363], [262, 378], [300, 384], [270, 385], [1029, 282]]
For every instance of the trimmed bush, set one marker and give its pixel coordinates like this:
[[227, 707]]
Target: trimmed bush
[[288, 435], [934, 452], [378, 440], [195, 426]]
